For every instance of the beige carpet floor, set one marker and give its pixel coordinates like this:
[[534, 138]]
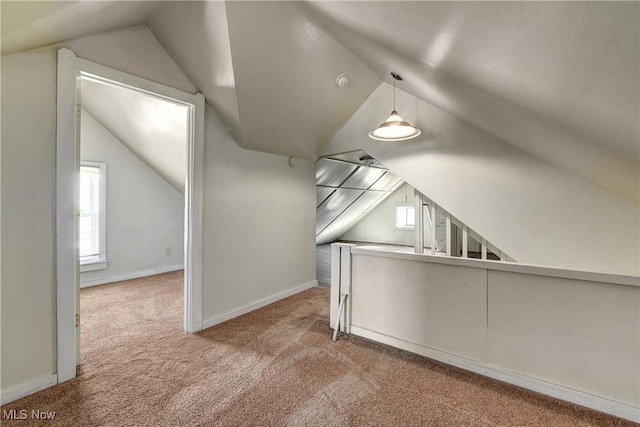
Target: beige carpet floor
[[274, 367]]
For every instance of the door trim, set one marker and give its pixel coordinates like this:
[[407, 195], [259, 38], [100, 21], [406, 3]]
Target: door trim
[[70, 69]]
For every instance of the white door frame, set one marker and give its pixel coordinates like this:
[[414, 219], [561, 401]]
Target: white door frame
[[70, 70]]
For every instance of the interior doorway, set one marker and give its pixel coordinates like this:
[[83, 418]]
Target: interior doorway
[[71, 72], [131, 197]]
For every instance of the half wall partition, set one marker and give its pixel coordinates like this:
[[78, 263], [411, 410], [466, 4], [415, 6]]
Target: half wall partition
[[569, 334]]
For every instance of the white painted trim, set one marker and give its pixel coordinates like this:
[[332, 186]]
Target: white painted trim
[[194, 194], [465, 241], [102, 215], [26, 389], [345, 287], [106, 75], [432, 209], [419, 220], [537, 270], [483, 248], [334, 299], [92, 266], [66, 251], [129, 276], [567, 394], [448, 232], [256, 305]]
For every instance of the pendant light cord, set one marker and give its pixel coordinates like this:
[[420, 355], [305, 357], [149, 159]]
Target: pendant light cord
[[394, 94]]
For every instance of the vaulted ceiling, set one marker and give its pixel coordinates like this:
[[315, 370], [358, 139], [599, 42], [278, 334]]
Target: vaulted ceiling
[[32, 24], [558, 80], [154, 129]]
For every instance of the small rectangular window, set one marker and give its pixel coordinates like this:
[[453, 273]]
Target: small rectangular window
[[405, 217], [92, 207]]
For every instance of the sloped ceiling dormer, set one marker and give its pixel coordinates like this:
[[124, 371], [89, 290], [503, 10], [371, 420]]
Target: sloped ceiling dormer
[[286, 66]]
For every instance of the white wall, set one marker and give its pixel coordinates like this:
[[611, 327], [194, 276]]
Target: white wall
[[145, 214], [533, 211], [378, 226], [28, 207], [258, 232], [259, 221]]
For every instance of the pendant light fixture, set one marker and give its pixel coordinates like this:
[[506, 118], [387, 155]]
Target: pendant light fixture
[[394, 128]]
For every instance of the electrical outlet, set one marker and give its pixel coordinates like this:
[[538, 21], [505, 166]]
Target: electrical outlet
[[169, 251]]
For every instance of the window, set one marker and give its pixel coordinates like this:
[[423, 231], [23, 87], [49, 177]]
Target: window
[[92, 206], [405, 217]]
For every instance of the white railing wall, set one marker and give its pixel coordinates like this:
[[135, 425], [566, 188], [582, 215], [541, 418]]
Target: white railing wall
[[569, 334], [423, 225]]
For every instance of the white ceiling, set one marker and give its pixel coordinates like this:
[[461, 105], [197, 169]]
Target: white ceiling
[[559, 80], [286, 67], [153, 129], [572, 63], [208, 61], [31, 24]]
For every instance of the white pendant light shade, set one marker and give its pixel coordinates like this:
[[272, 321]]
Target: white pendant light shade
[[395, 128]]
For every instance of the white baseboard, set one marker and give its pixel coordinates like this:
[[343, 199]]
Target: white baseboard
[[129, 276], [256, 305], [32, 387], [554, 390]]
